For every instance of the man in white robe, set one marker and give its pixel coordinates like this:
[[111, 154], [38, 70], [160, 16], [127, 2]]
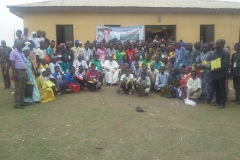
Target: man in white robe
[[111, 77]]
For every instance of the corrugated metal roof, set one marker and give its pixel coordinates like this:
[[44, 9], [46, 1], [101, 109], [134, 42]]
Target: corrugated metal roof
[[208, 4]]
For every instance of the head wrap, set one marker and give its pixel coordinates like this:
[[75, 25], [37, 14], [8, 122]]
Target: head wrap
[[41, 71], [26, 47], [35, 41], [31, 35], [189, 68], [19, 31]]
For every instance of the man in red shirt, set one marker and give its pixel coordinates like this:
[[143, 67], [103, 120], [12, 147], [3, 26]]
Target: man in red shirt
[[130, 53]]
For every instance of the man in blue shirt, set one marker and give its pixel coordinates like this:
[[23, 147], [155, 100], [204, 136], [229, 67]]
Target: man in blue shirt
[[69, 77], [19, 73], [180, 56]]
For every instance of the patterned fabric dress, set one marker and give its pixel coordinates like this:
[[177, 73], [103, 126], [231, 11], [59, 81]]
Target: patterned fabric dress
[[173, 91], [5, 65], [205, 75], [190, 57], [179, 58]]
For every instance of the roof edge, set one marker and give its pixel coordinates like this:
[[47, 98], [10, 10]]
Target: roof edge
[[21, 10]]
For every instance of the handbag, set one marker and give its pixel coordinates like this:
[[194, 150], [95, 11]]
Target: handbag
[[29, 89]]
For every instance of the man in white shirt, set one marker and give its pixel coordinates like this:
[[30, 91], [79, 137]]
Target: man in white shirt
[[152, 74], [111, 77], [41, 52], [39, 38], [80, 75], [53, 64], [87, 53], [80, 62], [110, 51], [76, 50], [194, 85], [126, 83], [161, 81]]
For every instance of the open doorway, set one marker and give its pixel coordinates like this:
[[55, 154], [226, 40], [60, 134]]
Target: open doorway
[[64, 33], [207, 33], [163, 31]]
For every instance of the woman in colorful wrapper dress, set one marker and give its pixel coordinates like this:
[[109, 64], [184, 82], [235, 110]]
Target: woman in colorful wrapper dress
[[172, 84], [204, 64]]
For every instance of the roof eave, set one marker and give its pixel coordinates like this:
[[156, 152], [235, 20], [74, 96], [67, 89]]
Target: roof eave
[[17, 13], [20, 10]]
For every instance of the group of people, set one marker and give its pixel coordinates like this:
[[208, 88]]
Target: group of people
[[174, 69]]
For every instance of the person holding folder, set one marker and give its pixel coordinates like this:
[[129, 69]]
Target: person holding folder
[[219, 68]]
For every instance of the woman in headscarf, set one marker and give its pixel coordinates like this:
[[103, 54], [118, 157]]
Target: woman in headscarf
[[43, 65], [182, 89], [34, 39], [204, 64], [31, 79], [46, 91]]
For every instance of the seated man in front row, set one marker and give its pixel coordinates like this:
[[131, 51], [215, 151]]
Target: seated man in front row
[[126, 83], [70, 82], [161, 81], [111, 77], [80, 76], [143, 84], [194, 86]]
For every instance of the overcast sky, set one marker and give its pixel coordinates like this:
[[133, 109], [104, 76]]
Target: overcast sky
[[10, 22]]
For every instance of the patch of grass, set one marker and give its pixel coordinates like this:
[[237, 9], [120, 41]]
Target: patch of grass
[[75, 125]]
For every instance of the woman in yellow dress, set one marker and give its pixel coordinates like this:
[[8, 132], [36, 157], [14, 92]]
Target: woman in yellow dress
[[46, 92]]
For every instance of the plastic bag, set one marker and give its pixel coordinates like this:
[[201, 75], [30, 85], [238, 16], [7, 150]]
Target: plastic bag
[[190, 102]]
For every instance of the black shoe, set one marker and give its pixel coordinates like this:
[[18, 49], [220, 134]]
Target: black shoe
[[221, 107], [18, 107], [24, 104]]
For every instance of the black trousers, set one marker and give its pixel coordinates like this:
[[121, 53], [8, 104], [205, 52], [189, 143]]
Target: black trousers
[[220, 89], [236, 85]]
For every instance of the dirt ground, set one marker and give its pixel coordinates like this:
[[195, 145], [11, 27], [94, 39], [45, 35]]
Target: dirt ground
[[104, 125]]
